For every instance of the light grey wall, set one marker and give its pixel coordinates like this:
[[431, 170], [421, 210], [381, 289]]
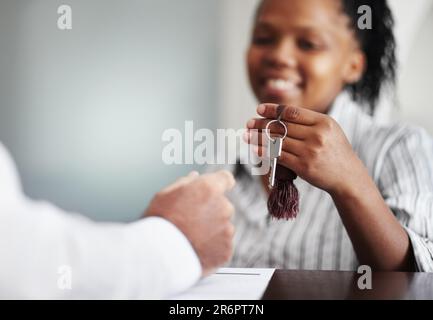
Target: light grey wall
[[83, 111], [416, 83]]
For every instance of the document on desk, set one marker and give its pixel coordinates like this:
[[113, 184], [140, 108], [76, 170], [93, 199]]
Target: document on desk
[[230, 284]]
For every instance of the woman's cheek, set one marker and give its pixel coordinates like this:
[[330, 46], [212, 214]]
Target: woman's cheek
[[323, 82], [253, 62]]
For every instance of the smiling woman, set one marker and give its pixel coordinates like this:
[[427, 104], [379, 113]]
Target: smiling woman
[[365, 189]]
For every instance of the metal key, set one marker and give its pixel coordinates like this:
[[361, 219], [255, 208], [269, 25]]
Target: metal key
[[275, 146]]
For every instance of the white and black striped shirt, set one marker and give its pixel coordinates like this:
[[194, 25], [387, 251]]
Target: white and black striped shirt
[[399, 159]]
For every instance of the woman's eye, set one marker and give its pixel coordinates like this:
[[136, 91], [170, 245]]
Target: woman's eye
[[262, 40], [308, 45]]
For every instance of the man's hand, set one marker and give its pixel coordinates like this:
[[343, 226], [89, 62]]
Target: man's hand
[[198, 206]]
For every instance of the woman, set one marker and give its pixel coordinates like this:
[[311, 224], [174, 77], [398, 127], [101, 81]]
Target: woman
[[366, 191]]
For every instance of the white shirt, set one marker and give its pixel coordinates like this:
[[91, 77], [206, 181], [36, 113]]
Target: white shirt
[[46, 253], [400, 161]]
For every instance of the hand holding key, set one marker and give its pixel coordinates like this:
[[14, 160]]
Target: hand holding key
[[315, 148]]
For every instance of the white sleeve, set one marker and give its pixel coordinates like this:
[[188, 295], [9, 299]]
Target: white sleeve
[[10, 186], [49, 254]]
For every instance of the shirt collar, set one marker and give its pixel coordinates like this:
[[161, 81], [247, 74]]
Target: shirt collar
[[349, 115]]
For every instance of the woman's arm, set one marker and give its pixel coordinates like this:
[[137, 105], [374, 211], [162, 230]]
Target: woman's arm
[[377, 236]]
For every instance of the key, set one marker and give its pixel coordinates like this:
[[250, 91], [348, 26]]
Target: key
[[275, 148]]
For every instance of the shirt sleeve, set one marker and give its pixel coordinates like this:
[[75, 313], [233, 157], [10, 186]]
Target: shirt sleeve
[[406, 183], [46, 253], [10, 185]]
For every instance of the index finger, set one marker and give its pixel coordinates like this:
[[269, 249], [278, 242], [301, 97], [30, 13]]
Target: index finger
[[222, 179], [290, 114]]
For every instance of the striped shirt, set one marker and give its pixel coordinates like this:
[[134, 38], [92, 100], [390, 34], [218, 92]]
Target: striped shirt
[[399, 158]]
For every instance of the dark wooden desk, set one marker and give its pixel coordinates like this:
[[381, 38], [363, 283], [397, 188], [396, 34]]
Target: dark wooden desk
[[341, 285]]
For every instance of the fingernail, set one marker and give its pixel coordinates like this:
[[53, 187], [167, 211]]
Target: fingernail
[[251, 124], [261, 109]]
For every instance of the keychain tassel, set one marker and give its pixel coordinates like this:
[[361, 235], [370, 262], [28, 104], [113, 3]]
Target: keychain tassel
[[283, 202]]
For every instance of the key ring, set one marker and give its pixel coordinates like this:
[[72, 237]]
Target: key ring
[[280, 113]]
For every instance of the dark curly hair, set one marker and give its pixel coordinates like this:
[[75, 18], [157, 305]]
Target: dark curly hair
[[378, 45]]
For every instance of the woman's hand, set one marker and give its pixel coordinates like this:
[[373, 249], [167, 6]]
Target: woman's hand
[[319, 152], [315, 148]]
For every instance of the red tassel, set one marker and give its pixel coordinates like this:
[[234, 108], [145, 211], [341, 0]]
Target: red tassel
[[283, 202]]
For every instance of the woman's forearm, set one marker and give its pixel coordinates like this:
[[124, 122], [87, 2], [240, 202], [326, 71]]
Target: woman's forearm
[[377, 237]]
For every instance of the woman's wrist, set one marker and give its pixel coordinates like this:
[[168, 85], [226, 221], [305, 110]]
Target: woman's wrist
[[354, 185]]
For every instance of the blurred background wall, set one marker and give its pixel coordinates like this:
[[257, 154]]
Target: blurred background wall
[[83, 111]]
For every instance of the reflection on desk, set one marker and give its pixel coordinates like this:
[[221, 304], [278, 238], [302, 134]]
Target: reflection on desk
[[341, 285]]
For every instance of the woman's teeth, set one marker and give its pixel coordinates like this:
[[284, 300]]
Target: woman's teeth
[[281, 85]]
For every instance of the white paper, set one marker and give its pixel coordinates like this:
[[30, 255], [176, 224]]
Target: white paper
[[230, 284]]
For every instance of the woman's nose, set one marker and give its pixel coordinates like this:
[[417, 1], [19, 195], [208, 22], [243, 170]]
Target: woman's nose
[[282, 55]]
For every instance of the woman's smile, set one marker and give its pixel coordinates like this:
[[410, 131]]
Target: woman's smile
[[279, 88]]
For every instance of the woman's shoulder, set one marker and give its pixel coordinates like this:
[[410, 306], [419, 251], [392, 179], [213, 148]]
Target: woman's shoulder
[[382, 143], [387, 136], [409, 139], [367, 133]]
